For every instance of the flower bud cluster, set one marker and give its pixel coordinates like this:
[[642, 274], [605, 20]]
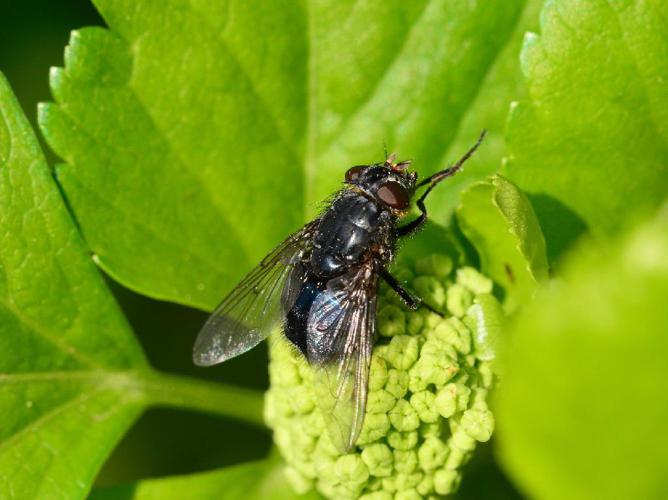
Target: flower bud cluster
[[428, 389]]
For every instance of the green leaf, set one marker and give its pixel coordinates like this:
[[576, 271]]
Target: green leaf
[[72, 376], [499, 221], [590, 145], [502, 85], [58, 380], [255, 480], [584, 409], [193, 145]]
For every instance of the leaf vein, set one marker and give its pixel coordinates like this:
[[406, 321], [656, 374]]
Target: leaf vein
[[51, 337]]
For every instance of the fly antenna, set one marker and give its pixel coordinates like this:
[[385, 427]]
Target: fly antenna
[[450, 171]]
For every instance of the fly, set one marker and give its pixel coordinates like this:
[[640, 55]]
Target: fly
[[320, 285]]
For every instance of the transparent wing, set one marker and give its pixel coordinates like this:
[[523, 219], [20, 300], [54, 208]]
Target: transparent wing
[[340, 335], [253, 308]]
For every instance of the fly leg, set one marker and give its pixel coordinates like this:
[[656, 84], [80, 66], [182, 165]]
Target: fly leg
[[413, 302], [416, 224], [431, 182]]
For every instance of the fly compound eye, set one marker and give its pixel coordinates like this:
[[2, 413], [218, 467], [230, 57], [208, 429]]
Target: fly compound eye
[[394, 195], [353, 173]]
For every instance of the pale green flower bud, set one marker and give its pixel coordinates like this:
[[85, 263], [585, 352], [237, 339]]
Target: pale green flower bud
[[431, 290], [446, 481], [397, 383], [456, 458], [414, 324], [377, 373], [426, 486], [473, 280], [390, 484], [439, 266], [430, 320], [478, 423], [423, 403], [405, 461], [402, 440], [451, 399], [478, 398], [391, 321], [285, 374], [410, 494], [301, 399], [429, 383], [402, 352], [375, 427], [303, 442], [312, 424], [427, 430], [455, 334], [404, 417], [464, 345], [438, 347], [351, 470], [432, 453], [408, 481], [377, 495], [380, 401], [459, 299], [326, 450], [374, 483], [461, 440], [486, 374], [379, 459], [436, 370]]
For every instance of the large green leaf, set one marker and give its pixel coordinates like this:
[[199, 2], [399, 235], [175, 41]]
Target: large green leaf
[[591, 143], [583, 409], [502, 85], [198, 134], [66, 350], [262, 480], [72, 376]]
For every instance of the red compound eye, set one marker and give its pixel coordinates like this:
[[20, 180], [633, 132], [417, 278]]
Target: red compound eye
[[394, 195], [353, 173]]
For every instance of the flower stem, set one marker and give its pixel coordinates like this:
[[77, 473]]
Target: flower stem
[[162, 389]]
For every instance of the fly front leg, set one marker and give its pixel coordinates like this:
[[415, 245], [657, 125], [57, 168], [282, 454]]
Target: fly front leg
[[413, 302], [412, 227], [416, 224], [431, 182]]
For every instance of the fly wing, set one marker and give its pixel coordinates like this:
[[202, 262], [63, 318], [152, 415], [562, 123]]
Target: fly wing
[[341, 329], [253, 308]]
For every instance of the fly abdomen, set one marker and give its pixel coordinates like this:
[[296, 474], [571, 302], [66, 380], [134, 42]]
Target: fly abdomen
[[296, 318]]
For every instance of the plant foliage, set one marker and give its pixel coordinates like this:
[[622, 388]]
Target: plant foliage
[[195, 135]]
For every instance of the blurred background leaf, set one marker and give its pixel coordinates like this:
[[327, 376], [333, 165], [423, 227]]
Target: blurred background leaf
[[183, 105], [590, 145], [583, 408]]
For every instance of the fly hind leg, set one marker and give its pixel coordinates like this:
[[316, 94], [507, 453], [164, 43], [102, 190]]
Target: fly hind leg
[[413, 302]]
